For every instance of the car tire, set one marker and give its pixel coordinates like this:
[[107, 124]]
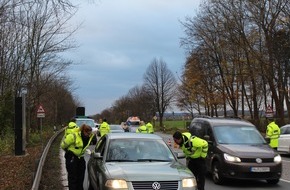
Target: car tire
[[216, 173], [272, 181]]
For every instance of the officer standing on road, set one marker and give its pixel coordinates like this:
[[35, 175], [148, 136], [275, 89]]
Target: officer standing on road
[[104, 127], [142, 128], [273, 132], [75, 145], [195, 150]]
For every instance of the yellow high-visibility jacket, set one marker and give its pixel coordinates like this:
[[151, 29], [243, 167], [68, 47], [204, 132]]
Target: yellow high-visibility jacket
[[72, 126], [73, 142], [150, 127], [194, 147], [104, 128], [142, 129], [273, 132]]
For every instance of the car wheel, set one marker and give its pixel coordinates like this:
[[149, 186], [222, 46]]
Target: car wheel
[[272, 181], [216, 174]]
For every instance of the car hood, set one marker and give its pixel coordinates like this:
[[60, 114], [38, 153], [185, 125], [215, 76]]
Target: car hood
[[248, 151], [151, 171]]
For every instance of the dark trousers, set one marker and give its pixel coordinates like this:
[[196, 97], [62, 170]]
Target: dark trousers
[[76, 168], [198, 168]]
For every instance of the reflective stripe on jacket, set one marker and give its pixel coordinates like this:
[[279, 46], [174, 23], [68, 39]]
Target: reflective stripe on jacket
[[194, 147]]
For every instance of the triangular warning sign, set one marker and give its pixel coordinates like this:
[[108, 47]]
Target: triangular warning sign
[[269, 109], [40, 109]]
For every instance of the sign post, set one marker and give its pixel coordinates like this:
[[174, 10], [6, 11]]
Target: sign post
[[40, 115], [269, 112]]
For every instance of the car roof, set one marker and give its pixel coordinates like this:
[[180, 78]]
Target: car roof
[[285, 126], [133, 136], [84, 118], [216, 121]]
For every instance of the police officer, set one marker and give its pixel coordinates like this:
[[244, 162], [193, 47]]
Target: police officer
[[195, 150], [75, 145], [273, 132], [150, 127], [142, 128], [71, 127], [104, 127]]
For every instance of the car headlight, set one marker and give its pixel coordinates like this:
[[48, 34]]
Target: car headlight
[[277, 159], [116, 184], [230, 158], [188, 182]]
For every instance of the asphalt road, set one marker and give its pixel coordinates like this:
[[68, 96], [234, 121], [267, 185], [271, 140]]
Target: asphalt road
[[243, 184], [232, 184]]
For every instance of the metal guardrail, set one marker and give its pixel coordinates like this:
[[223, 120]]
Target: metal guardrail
[[37, 178]]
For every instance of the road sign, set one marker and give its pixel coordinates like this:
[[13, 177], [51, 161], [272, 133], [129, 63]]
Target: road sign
[[40, 112], [269, 111]]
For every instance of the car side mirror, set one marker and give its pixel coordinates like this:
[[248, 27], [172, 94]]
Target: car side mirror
[[206, 137], [179, 155]]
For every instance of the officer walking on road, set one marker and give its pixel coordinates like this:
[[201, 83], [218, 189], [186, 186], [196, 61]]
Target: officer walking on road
[[195, 150]]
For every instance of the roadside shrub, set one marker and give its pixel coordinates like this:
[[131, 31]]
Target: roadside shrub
[[7, 144]]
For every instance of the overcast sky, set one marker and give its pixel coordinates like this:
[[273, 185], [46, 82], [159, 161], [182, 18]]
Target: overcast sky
[[118, 40]]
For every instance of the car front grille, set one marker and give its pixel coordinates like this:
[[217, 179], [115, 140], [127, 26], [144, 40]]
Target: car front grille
[[147, 185], [253, 160]]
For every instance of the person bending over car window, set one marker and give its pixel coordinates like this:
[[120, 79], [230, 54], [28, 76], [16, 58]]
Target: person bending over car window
[[75, 145]]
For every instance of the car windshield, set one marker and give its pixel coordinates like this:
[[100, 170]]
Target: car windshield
[[285, 130], [116, 127], [238, 135], [138, 150], [89, 122]]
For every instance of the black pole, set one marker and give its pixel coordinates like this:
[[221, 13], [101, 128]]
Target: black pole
[[18, 126]]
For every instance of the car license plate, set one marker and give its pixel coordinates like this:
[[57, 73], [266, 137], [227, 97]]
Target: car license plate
[[260, 169]]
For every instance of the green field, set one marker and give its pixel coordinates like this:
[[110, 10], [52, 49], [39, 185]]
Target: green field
[[172, 125]]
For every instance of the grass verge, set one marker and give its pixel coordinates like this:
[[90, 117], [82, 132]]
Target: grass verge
[[51, 173]]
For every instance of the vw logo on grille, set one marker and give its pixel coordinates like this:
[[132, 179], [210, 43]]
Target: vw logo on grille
[[259, 160], [156, 186]]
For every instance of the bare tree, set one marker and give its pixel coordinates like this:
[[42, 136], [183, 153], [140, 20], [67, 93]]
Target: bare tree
[[245, 42], [160, 81], [33, 33]]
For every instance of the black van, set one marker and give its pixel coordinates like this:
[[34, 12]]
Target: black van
[[237, 150]]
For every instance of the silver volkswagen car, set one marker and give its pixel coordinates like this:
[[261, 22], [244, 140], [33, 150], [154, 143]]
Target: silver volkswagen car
[[136, 161]]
